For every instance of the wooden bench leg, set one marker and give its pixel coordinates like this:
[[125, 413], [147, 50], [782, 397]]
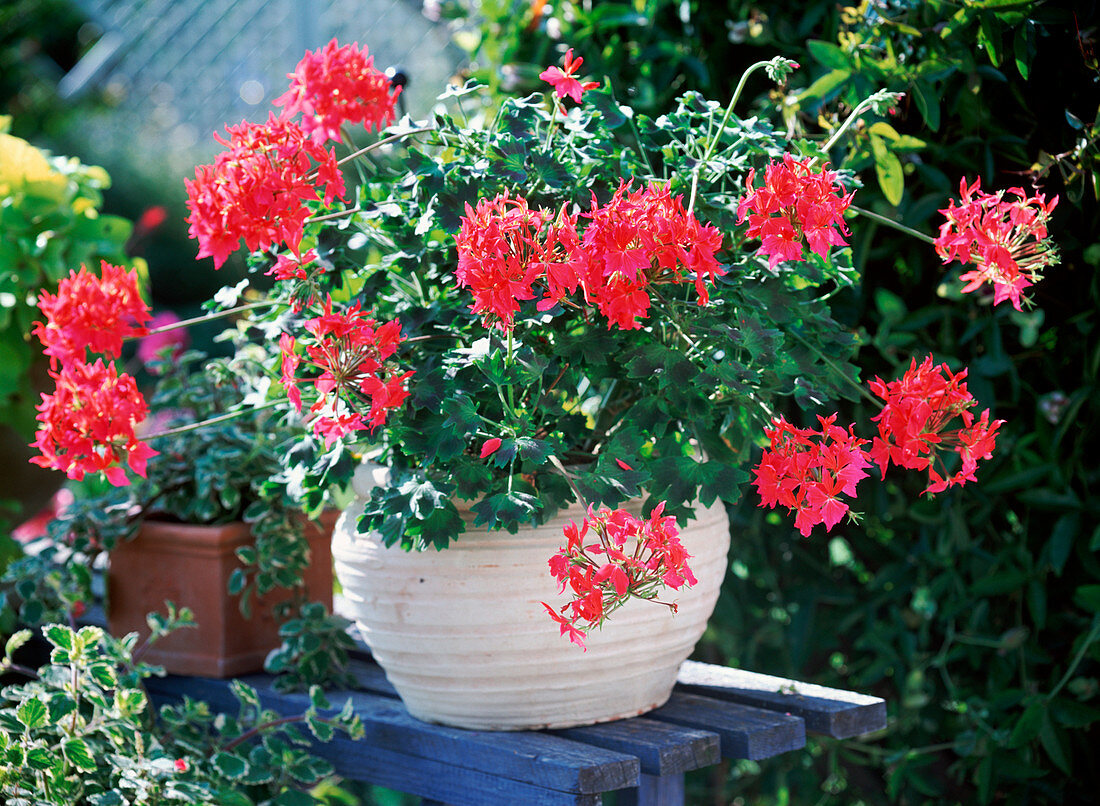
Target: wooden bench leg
[[654, 790]]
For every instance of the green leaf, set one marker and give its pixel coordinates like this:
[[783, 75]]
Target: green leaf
[[292, 797], [32, 713], [1056, 743], [602, 101], [1000, 583], [990, 37], [928, 103], [1022, 50], [424, 496], [1073, 714], [59, 636], [1088, 597], [1061, 540], [828, 55], [317, 697], [506, 510], [825, 86], [1027, 726], [245, 694], [890, 306], [891, 177], [15, 641], [40, 758], [108, 799], [320, 728], [78, 754], [231, 766]]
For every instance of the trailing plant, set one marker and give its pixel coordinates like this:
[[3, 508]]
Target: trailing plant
[[83, 730]]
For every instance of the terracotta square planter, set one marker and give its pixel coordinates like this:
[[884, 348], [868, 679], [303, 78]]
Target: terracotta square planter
[[190, 566]]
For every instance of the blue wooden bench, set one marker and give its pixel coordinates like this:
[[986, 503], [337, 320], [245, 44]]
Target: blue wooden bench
[[714, 713]]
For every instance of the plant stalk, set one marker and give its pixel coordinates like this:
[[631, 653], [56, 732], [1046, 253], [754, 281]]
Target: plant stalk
[[891, 223], [183, 429], [210, 317]]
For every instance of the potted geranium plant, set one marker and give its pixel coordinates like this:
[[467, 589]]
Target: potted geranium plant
[[559, 306], [197, 529]]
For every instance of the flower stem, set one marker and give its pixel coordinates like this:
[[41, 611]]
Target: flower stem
[[844, 126], [183, 429], [259, 729], [1094, 633], [210, 317], [384, 141], [713, 141], [553, 122], [331, 216], [889, 222], [871, 398], [511, 400]]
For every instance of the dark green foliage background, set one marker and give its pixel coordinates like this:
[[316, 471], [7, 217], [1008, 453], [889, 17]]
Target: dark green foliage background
[[976, 614]]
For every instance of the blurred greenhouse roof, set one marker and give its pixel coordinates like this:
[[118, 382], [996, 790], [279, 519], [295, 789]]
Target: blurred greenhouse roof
[[175, 71]]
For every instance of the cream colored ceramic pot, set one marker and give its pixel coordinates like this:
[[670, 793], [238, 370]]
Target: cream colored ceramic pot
[[464, 639]]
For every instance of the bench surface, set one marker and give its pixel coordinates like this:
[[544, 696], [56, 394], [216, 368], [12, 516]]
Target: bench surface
[[714, 713]]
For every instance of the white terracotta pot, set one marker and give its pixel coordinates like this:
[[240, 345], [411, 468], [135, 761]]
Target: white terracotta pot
[[464, 639]]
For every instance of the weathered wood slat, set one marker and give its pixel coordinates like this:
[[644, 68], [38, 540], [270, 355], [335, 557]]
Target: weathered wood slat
[[836, 713], [744, 731], [526, 759], [654, 791], [662, 748], [453, 785]]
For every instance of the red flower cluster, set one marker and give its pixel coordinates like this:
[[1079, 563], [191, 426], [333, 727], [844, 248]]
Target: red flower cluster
[[504, 248], [337, 85], [913, 425], [808, 471], [289, 266], [258, 188], [564, 82], [349, 350], [87, 424], [1005, 240], [642, 238], [796, 203], [631, 557], [91, 312]]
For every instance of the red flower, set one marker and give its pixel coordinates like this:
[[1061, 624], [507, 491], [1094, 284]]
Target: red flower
[[504, 248], [87, 424], [258, 188], [91, 312], [563, 81], [1005, 241], [630, 557], [291, 266], [795, 204], [808, 471], [913, 426], [490, 446], [347, 357], [181, 765], [337, 85], [641, 238]]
